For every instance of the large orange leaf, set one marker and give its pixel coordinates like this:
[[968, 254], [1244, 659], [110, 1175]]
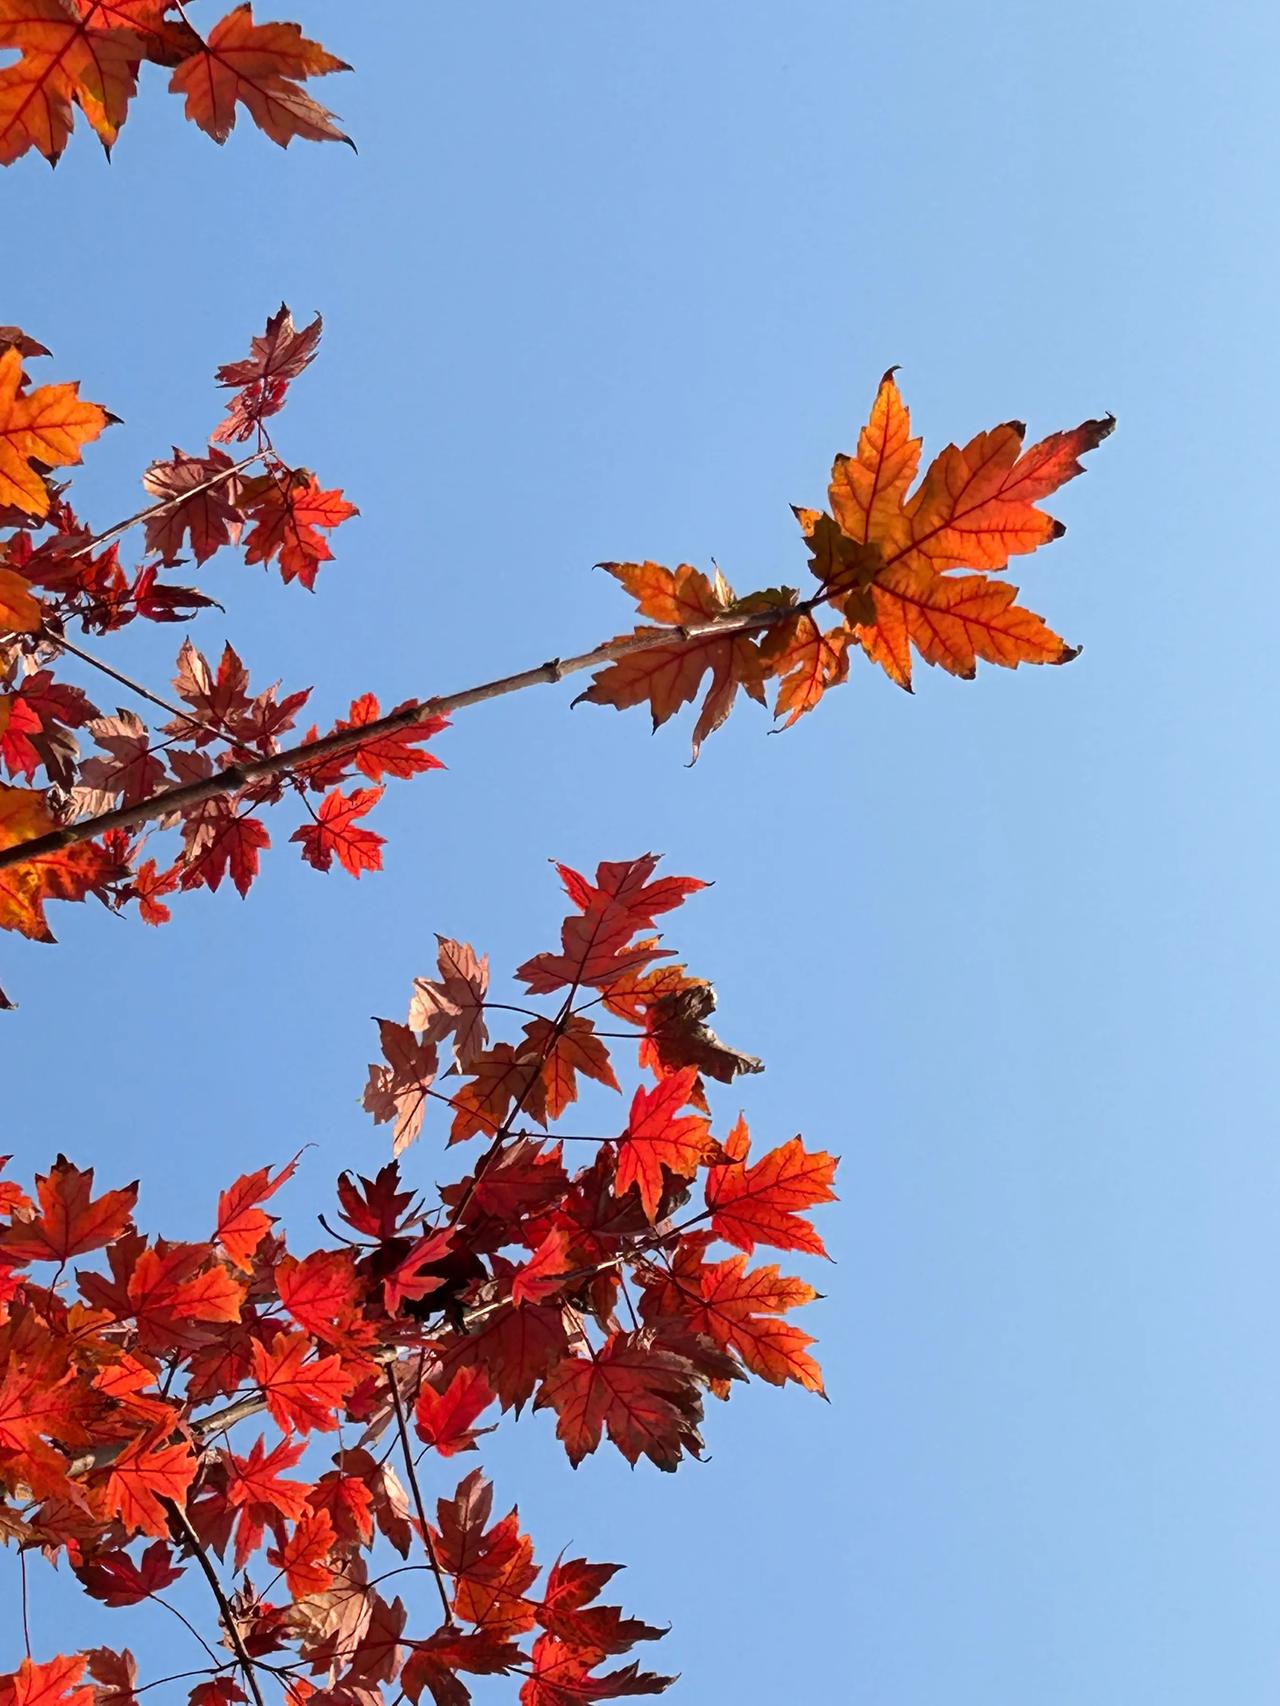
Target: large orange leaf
[[69, 874], [954, 621], [891, 554], [74, 53], [50, 424], [260, 67], [19, 611]]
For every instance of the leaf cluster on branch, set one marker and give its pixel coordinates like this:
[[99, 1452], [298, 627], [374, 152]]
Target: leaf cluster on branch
[[166, 1406]]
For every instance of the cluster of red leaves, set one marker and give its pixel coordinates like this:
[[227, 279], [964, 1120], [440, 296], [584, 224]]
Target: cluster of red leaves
[[87, 54], [596, 1293], [885, 558], [55, 575]]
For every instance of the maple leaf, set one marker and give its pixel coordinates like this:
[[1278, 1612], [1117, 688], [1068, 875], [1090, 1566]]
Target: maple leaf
[[492, 1567], [322, 1293], [115, 1579], [760, 1203], [49, 425], [242, 1223], [70, 1220], [658, 1137], [303, 1555], [116, 1674], [287, 510], [566, 1610], [543, 1274], [676, 1036], [302, 1392], [261, 67], [739, 1310], [596, 945], [954, 623], [398, 1084], [453, 1006], [219, 841], [144, 1475], [256, 1487], [53, 1683], [221, 1691], [433, 1664], [375, 1207], [72, 873], [446, 1420], [975, 507], [394, 752], [669, 673], [502, 1080], [72, 54], [20, 612], [201, 497], [335, 832], [808, 659], [131, 771], [561, 1676], [643, 1394], [566, 1050]]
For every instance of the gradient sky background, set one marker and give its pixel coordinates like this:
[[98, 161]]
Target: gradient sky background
[[616, 282]]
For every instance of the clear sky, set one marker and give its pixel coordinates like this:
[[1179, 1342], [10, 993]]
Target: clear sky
[[615, 281]]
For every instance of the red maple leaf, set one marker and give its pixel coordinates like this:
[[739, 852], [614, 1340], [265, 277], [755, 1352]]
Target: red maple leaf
[[334, 832]]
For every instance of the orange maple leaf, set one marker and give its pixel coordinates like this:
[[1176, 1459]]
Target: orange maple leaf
[[659, 1137], [50, 424], [669, 674], [302, 1393], [242, 1224], [740, 1309], [74, 53], [760, 1203], [70, 1220], [52, 1683], [20, 613], [141, 1477], [446, 1420], [260, 67], [287, 511], [69, 874], [302, 1556], [975, 508]]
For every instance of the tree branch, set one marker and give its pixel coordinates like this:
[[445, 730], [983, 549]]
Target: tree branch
[[406, 1451], [237, 777], [183, 1522]]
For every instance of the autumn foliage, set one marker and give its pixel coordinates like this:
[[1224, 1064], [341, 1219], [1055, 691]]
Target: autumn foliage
[[169, 1407]]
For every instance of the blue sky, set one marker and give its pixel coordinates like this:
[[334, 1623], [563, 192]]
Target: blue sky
[[617, 282]]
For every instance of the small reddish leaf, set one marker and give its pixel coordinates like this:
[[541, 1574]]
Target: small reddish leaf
[[659, 1137], [335, 832], [446, 1420]]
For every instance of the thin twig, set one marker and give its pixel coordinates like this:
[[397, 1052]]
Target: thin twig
[[402, 1428], [183, 1521], [236, 777]]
